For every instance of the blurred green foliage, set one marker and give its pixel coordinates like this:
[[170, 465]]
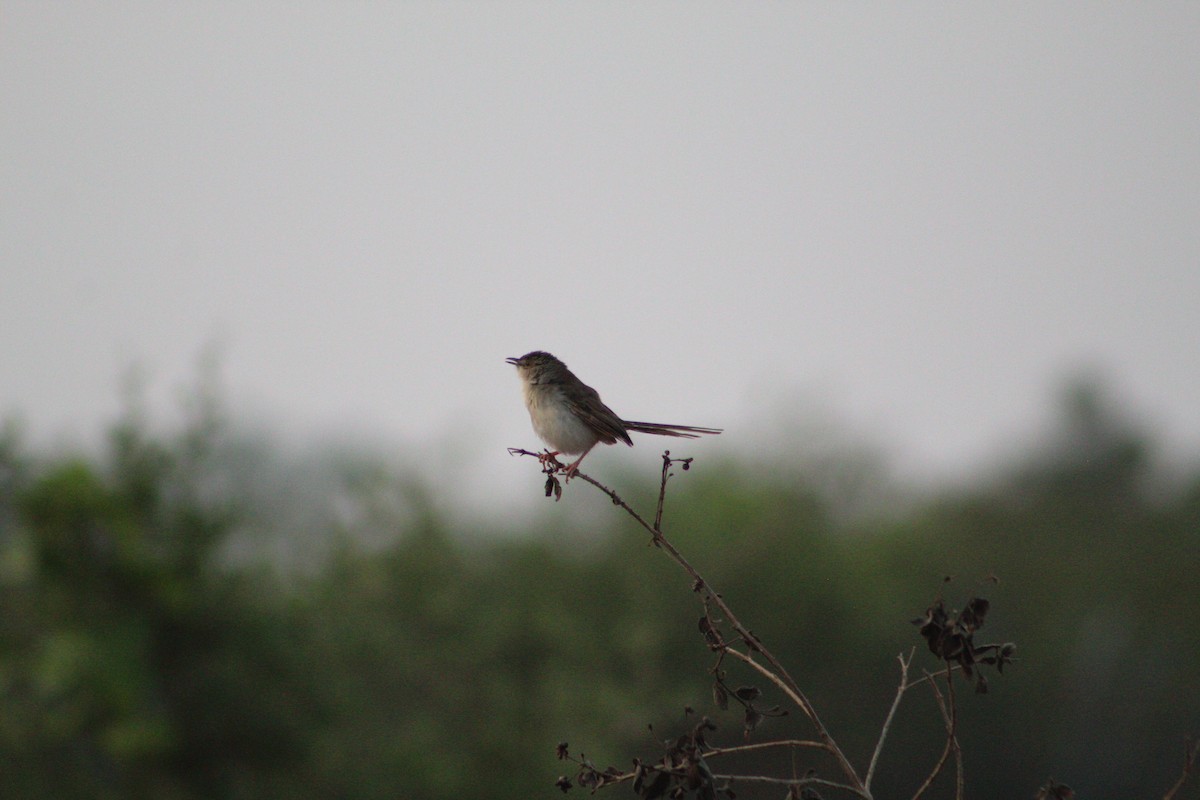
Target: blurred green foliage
[[144, 654]]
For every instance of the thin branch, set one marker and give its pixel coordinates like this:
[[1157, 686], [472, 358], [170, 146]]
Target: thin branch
[[950, 718], [792, 782], [952, 732], [797, 697], [662, 491], [931, 676], [887, 723], [1191, 751], [937, 769], [750, 748]]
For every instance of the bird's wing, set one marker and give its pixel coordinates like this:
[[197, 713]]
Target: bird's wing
[[591, 409]]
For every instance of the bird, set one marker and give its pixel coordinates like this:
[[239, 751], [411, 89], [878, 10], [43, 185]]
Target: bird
[[569, 415]]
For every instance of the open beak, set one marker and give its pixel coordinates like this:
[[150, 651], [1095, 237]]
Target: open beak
[[512, 361]]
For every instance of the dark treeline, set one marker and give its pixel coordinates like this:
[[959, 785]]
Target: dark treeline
[[144, 654]]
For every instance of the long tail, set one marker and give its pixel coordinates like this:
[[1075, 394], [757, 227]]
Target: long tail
[[685, 431]]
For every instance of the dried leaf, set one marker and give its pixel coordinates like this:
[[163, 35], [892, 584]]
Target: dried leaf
[[974, 613], [658, 787], [639, 776], [752, 719]]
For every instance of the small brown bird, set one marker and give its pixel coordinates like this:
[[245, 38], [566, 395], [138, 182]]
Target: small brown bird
[[568, 415]]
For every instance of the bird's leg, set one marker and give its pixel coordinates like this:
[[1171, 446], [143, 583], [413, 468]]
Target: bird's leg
[[573, 467], [548, 458]]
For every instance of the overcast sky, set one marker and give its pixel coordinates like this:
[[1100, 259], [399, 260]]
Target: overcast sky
[[918, 217]]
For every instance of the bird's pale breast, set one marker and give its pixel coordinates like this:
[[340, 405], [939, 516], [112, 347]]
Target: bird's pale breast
[[553, 421]]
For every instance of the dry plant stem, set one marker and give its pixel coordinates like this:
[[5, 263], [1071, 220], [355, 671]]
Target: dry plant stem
[[887, 722], [929, 677], [662, 491], [1192, 750], [750, 748], [797, 697], [950, 717], [789, 782], [777, 674]]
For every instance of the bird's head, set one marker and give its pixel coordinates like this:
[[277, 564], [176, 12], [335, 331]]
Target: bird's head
[[537, 365]]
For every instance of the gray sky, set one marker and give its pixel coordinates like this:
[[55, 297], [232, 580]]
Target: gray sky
[[919, 217]]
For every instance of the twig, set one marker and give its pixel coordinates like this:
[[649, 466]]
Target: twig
[[750, 748], [619, 502], [891, 713], [662, 490], [791, 782], [950, 718], [952, 732], [1191, 751], [797, 697], [793, 694], [931, 676]]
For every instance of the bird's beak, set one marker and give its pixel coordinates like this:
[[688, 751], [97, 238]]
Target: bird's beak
[[512, 361]]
